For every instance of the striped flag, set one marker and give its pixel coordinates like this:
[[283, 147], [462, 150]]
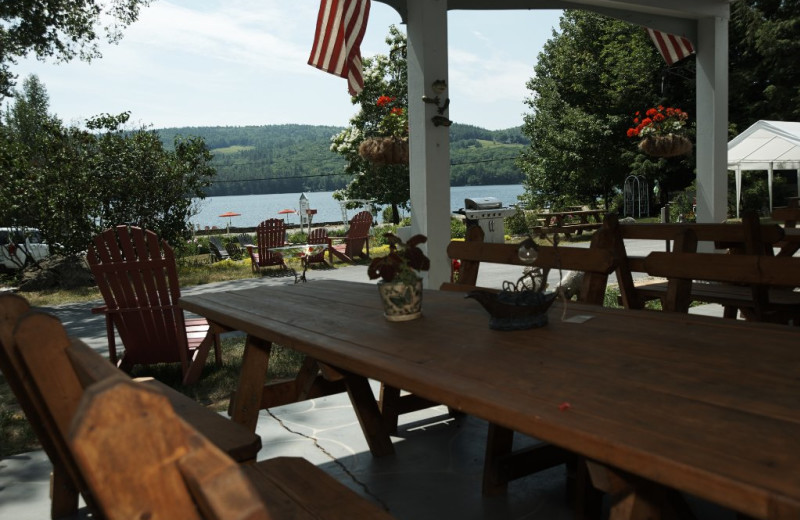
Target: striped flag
[[672, 48], [340, 28]]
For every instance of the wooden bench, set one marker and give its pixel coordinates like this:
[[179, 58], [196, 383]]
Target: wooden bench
[[59, 371], [48, 372], [142, 461], [789, 216], [762, 272], [597, 262], [750, 236], [567, 222]]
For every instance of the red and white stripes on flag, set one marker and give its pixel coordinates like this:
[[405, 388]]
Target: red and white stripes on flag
[[340, 28], [672, 48]]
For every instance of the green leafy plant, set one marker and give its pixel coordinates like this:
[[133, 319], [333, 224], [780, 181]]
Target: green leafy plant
[[403, 262]]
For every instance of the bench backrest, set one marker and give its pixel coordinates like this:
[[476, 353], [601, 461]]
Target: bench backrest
[[49, 374], [142, 461], [748, 237], [39, 344], [777, 271], [596, 262]]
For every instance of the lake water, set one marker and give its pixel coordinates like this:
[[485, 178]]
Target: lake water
[[256, 208]]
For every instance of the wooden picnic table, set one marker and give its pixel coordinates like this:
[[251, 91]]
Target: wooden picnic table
[[706, 406], [569, 221], [303, 252]]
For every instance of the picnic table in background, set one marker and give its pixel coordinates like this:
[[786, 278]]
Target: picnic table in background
[[569, 221], [303, 252]]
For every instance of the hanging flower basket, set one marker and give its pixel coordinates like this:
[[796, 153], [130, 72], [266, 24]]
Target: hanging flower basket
[[669, 145], [384, 150]]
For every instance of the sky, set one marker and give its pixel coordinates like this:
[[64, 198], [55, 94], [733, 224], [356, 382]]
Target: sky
[[244, 62]]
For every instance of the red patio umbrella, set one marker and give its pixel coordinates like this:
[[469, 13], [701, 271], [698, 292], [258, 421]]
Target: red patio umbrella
[[286, 212], [228, 215]]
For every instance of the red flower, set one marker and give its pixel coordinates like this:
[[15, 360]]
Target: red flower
[[659, 121], [384, 100], [397, 110]]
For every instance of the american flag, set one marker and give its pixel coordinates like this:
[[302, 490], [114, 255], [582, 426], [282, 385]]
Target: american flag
[[340, 28], [672, 48]]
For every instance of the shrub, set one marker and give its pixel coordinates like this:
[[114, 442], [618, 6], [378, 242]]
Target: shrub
[[298, 237], [519, 223], [458, 228]]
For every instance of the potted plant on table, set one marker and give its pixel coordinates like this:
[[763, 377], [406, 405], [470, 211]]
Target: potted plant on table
[[400, 286], [661, 131]]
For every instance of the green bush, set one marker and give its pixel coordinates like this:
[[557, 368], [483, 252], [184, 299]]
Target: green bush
[[458, 228], [298, 237], [681, 209], [520, 223]]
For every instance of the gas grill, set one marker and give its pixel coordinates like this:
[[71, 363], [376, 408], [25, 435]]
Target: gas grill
[[488, 213]]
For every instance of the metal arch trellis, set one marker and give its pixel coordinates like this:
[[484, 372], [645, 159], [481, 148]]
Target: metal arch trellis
[[636, 195]]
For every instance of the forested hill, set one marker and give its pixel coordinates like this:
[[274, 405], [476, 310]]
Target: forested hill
[[295, 158]]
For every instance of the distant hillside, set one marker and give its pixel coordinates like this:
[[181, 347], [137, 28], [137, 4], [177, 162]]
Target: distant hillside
[[295, 158]]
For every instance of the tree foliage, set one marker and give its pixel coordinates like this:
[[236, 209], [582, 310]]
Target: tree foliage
[[72, 183], [384, 75], [764, 69], [589, 79], [596, 72], [293, 158], [63, 29]]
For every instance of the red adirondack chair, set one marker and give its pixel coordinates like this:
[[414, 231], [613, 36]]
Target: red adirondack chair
[[270, 233], [138, 278], [320, 236], [356, 239]]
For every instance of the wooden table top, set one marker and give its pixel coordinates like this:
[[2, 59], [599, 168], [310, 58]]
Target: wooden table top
[[704, 405]]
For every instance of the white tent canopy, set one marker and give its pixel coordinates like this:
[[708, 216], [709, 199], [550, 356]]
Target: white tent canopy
[[766, 145]]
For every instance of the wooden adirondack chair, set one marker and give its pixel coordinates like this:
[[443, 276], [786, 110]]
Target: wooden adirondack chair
[[270, 233], [138, 278], [141, 461], [65, 482], [356, 239], [245, 240], [320, 236], [48, 373], [218, 251]]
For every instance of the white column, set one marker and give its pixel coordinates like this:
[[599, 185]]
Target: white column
[[712, 119], [738, 188], [770, 177], [429, 145]]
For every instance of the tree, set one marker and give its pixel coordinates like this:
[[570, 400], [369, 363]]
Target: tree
[[764, 70], [383, 76], [63, 29], [74, 182], [590, 80]]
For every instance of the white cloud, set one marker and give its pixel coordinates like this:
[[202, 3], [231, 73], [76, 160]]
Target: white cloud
[[239, 62]]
